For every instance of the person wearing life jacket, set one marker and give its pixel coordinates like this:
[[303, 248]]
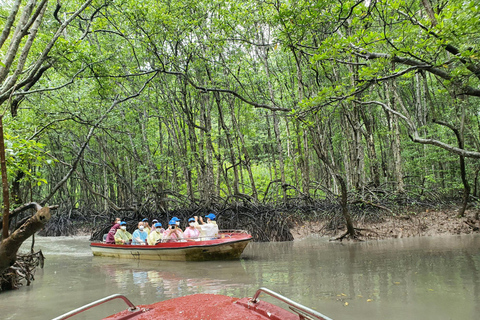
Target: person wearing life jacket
[[156, 235], [122, 236]]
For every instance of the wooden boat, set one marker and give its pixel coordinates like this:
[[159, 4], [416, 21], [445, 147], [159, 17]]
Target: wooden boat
[[229, 245], [208, 306]]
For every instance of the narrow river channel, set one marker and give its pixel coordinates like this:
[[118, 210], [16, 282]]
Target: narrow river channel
[[414, 278]]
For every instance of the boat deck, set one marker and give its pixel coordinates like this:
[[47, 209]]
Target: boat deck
[[207, 306]]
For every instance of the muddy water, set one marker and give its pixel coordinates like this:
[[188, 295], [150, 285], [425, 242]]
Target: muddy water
[[429, 278]]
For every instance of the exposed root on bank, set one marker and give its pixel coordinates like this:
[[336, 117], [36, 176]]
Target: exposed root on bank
[[472, 225], [22, 271], [355, 237]]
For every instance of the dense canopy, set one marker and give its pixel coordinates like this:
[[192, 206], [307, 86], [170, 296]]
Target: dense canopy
[[114, 105]]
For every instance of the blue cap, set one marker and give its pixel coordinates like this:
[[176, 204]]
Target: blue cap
[[158, 225], [145, 220], [172, 222], [210, 216], [175, 219], [191, 219], [123, 223]]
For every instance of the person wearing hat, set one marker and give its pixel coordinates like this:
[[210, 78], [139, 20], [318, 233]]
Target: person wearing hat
[[177, 221], [146, 227], [111, 234], [208, 230], [154, 222], [191, 232], [122, 236], [173, 232], [156, 234], [140, 235]]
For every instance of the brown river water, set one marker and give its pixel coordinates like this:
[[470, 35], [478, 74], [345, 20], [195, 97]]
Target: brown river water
[[413, 278]]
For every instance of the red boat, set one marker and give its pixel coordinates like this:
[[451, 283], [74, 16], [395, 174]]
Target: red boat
[[208, 306], [229, 245]]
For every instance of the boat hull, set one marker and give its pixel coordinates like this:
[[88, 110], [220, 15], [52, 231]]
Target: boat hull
[[228, 246]]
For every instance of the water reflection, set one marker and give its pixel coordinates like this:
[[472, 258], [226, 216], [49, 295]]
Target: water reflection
[[170, 279]]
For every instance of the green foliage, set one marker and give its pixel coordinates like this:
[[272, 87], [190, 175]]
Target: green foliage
[[319, 59], [28, 157]]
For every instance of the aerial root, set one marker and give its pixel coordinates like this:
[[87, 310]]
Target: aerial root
[[22, 270]]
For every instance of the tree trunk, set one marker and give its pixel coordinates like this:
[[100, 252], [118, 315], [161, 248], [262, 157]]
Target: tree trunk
[[372, 153], [231, 148], [9, 246], [244, 151], [6, 196], [461, 144], [395, 127], [335, 171]]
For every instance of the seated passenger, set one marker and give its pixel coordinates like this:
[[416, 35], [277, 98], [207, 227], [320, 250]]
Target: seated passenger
[[155, 221], [210, 229], [122, 236], [139, 236], [111, 234], [146, 226], [177, 221], [191, 232], [156, 235], [173, 232]]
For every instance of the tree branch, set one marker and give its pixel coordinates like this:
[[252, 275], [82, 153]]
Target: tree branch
[[87, 139], [414, 136]]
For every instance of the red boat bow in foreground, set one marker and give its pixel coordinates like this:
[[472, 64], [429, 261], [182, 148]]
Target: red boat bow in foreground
[[208, 306]]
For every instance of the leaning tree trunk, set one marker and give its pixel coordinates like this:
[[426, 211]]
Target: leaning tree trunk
[[6, 196], [9, 246], [335, 172], [463, 172]]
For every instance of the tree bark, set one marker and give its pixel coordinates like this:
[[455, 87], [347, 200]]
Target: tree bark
[[244, 151], [335, 172], [6, 196], [9, 246], [461, 144], [397, 157]]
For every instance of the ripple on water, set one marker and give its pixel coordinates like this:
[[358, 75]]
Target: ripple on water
[[78, 246]]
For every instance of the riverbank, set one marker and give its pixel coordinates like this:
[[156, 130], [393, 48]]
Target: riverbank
[[423, 223]]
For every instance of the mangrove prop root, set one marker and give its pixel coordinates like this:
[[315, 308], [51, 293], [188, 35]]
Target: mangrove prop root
[[22, 271]]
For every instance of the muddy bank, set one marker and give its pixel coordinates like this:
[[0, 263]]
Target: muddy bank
[[424, 223]]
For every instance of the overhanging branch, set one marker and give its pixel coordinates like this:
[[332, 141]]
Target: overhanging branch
[[414, 136]]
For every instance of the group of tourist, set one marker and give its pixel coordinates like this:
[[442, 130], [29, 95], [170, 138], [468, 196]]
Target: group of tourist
[[197, 229]]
